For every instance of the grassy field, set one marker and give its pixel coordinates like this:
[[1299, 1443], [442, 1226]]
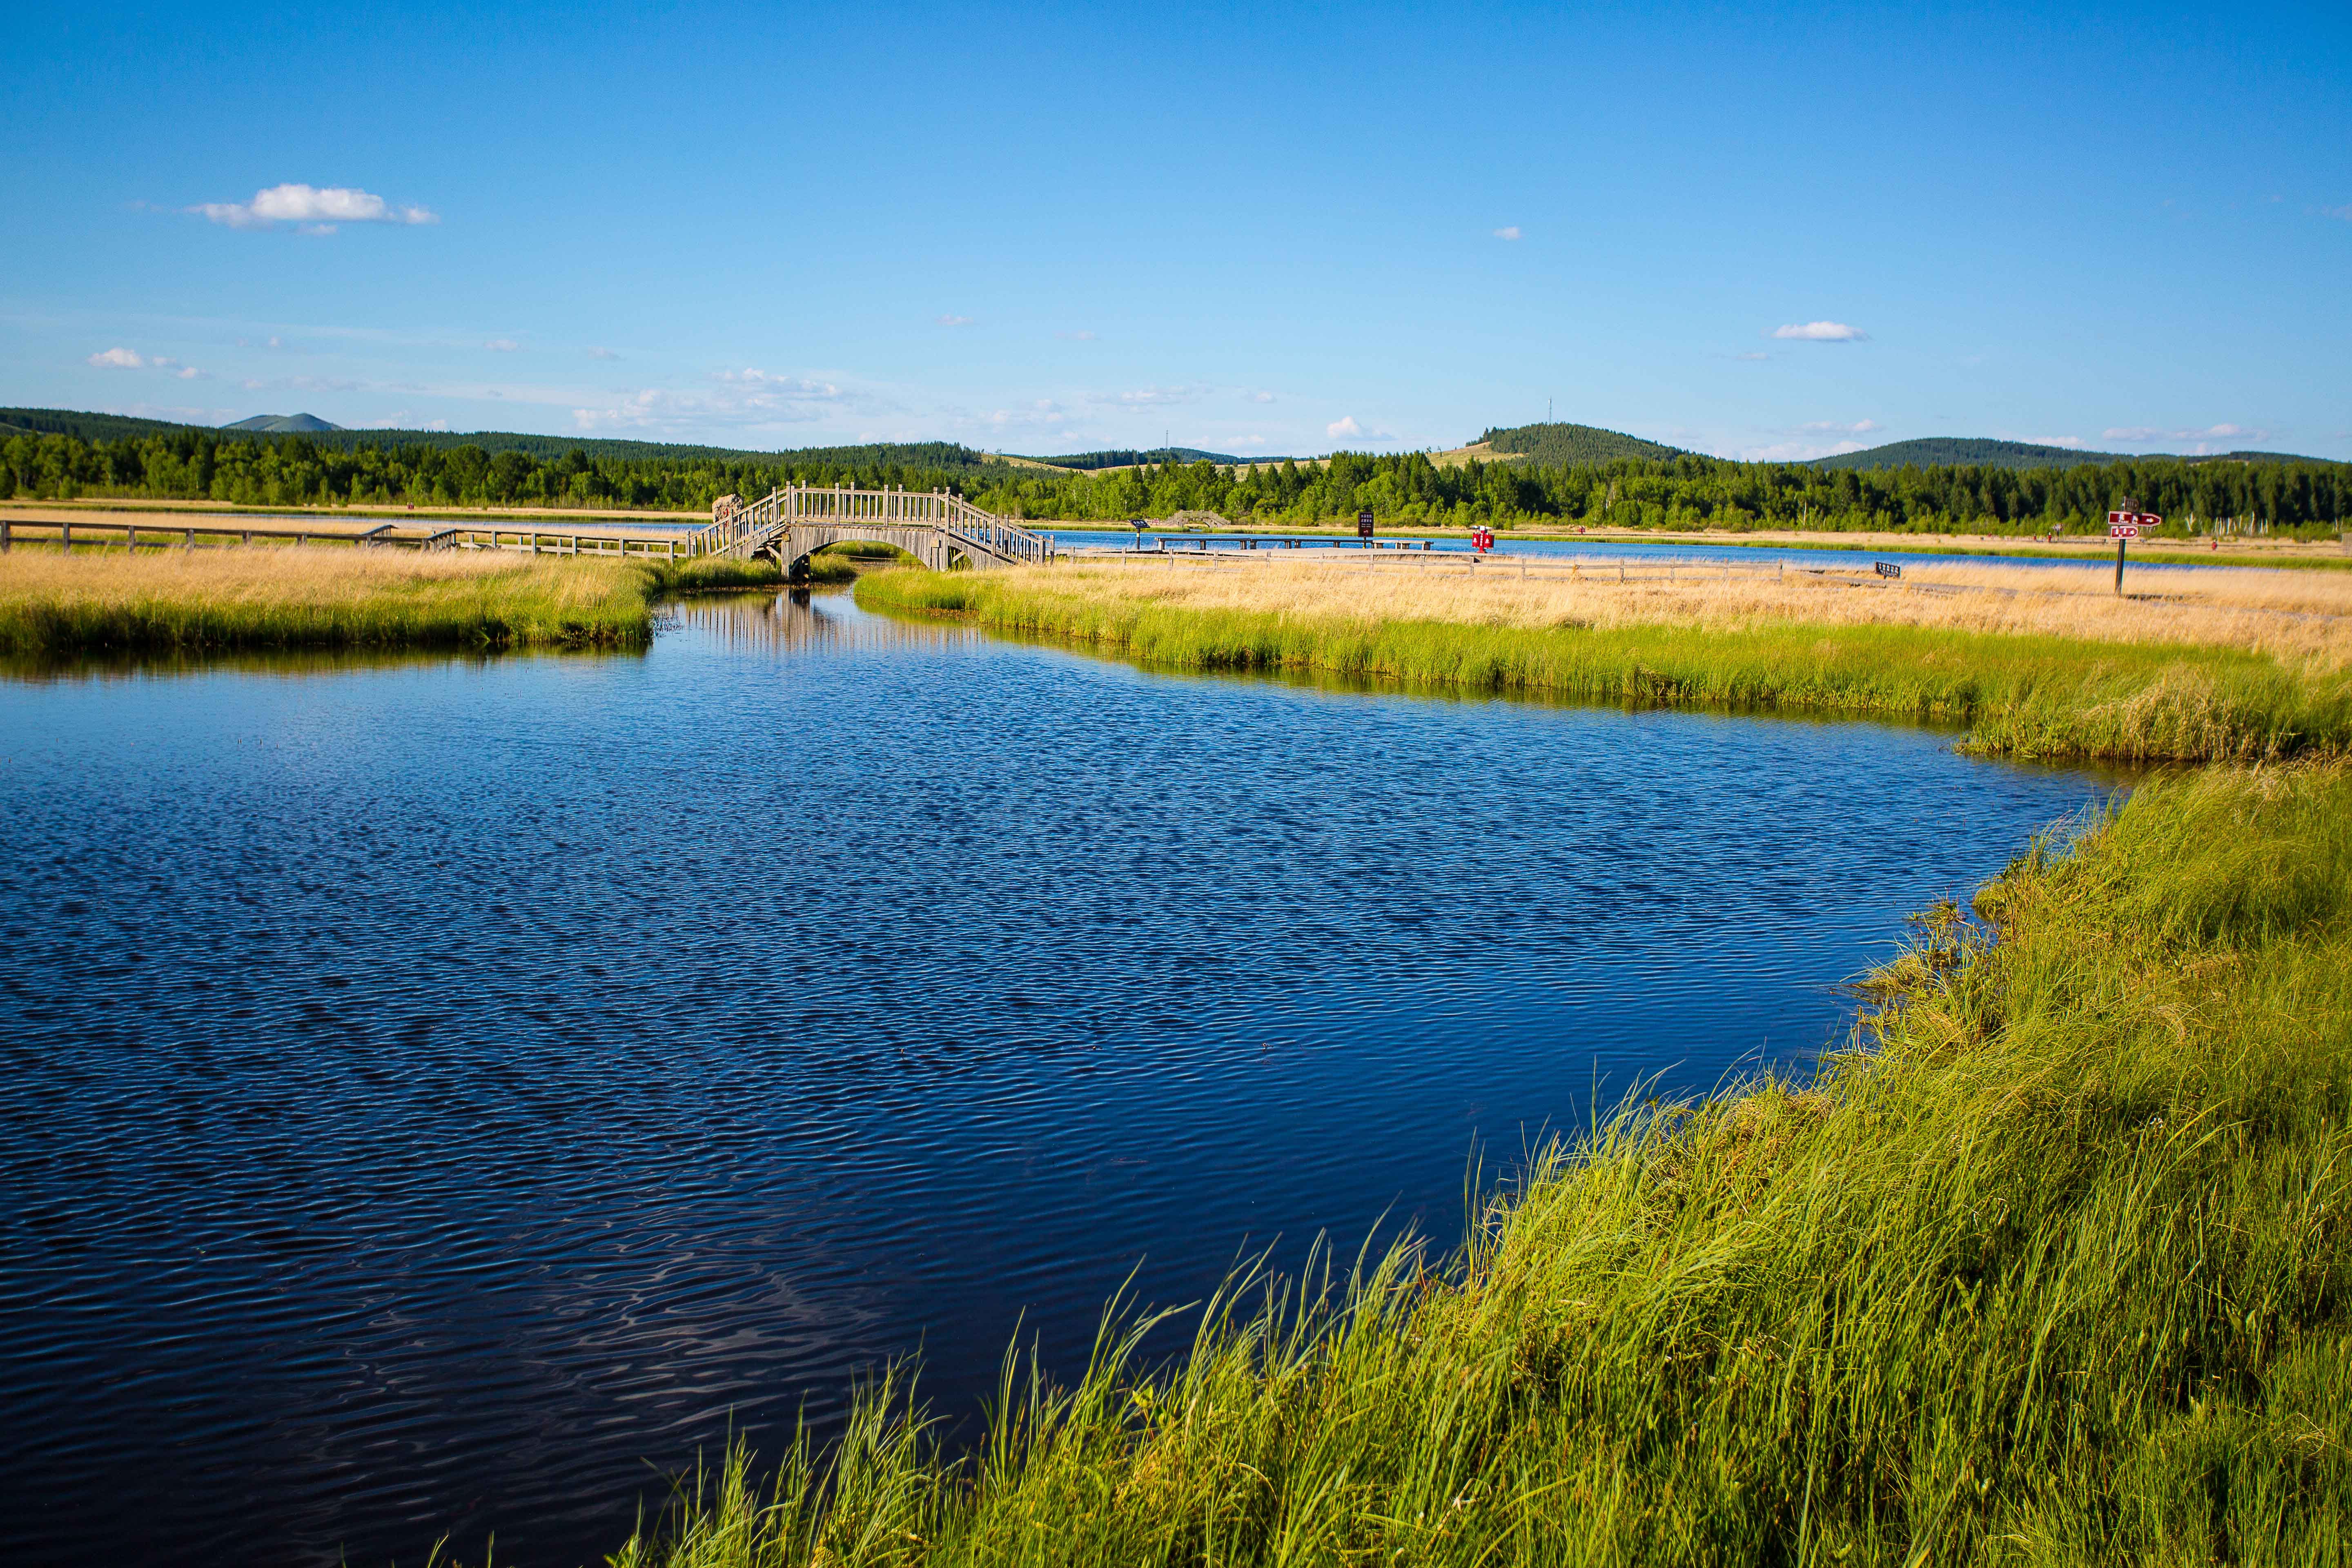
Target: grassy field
[[316, 598], [2054, 1267], [2255, 669]]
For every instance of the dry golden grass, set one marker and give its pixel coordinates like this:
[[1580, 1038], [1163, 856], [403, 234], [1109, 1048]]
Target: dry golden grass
[[2297, 617], [294, 596]]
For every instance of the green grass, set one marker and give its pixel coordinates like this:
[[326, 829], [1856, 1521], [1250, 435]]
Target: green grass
[[2020, 695], [712, 574], [57, 605], [2053, 1267]]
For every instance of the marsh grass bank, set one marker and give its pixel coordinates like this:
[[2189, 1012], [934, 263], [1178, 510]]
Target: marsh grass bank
[[316, 598], [2054, 1265], [2030, 679]]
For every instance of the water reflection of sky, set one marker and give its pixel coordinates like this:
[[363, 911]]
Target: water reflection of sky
[[435, 1089]]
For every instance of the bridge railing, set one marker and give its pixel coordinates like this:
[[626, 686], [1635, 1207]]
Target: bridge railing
[[746, 529]]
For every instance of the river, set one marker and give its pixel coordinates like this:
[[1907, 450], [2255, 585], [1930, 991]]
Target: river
[[443, 1094]]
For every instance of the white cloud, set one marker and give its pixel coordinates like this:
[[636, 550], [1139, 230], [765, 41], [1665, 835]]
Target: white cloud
[[320, 208], [404, 420], [187, 372], [1858, 428], [1042, 414], [954, 321], [502, 345], [275, 342], [2343, 212], [1510, 233], [1797, 451], [1822, 332], [1075, 337], [2199, 443], [2072, 442], [602, 354], [744, 399], [117, 359], [1261, 396], [1160, 397], [1343, 428]]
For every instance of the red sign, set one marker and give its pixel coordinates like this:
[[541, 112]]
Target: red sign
[[2133, 520], [2123, 530]]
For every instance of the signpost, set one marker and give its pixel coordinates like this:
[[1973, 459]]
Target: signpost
[[2126, 524], [1364, 525]]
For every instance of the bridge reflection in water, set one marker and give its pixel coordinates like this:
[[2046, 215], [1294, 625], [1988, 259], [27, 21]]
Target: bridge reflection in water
[[796, 620]]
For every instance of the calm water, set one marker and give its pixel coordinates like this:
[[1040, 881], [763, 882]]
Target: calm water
[[441, 1095]]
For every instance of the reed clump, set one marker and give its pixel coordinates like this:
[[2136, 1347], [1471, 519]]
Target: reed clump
[[315, 598], [2054, 1264], [2039, 674]]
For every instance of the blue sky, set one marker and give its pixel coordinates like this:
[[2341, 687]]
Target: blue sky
[[1257, 229]]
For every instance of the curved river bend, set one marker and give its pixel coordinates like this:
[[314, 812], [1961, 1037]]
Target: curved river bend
[[437, 1091]]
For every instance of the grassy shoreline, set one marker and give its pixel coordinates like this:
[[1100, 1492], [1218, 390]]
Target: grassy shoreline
[[2044, 696], [52, 604], [2054, 1266]]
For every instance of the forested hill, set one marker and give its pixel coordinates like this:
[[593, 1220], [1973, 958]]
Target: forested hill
[[1128, 458], [1557, 446], [939, 456], [83, 426], [1965, 451]]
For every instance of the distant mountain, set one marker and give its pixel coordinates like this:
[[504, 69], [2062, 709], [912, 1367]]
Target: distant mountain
[[1557, 446], [1128, 459], [1965, 451], [283, 424]]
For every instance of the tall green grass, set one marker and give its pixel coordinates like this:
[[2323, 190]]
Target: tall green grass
[[97, 606], [2053, 1267], [2021, 696]]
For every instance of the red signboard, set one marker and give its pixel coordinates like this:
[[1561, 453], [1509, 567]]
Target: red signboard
[[2133, 522], [2122, 530]]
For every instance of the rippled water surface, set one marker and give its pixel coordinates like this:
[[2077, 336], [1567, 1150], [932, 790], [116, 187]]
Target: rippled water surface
[[439, 1095]]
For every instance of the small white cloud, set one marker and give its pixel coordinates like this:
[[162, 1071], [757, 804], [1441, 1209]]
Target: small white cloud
[[2072, 442], [317, 230], [319, 207], [1822, 332], [275, 342], [1247, 441], [253, 385], [1858, 428], [954, 321], [2201, 443], [1510, 233], [602, 354], [187, 372], [2343, 212], [117, 359], [1344, 428], [502, 345], [1075, 337], [1159, 396], [1795, 451], [1261, 396]]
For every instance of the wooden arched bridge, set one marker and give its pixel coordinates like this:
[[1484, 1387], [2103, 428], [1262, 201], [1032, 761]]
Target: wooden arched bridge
[[935, 528]]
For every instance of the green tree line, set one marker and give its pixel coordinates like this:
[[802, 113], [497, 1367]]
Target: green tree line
[[1683, 491]]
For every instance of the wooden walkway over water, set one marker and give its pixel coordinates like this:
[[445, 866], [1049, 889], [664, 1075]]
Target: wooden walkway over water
[[935, 527]]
